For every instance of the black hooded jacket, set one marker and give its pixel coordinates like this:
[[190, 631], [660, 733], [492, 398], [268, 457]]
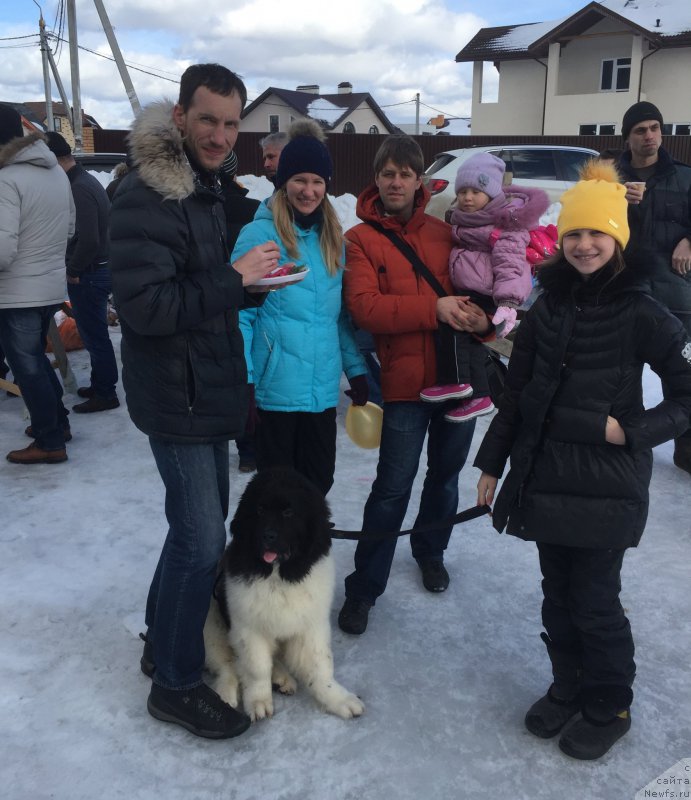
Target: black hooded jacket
[[177, 296], [578, 358]]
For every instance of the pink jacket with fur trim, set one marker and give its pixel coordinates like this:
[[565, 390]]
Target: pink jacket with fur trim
[[500, 271]]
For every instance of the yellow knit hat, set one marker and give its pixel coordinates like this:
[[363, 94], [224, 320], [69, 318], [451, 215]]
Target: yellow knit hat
[[597, 202]]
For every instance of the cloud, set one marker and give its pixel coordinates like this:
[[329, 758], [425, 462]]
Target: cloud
[[392, 49]]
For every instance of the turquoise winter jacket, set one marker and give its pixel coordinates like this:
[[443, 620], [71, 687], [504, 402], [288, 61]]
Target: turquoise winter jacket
[[301, 339]]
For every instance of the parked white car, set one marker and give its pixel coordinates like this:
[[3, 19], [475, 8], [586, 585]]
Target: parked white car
[[550, 167]]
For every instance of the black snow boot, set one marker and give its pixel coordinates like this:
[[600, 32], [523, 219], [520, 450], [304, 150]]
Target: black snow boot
[[606, 718], [550, 713], [146, 662]]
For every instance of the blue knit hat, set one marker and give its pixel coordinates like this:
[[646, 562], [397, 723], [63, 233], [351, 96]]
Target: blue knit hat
[[483, 172], [305, 152]]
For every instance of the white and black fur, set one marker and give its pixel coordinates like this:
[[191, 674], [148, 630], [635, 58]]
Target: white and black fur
[[276, 589]]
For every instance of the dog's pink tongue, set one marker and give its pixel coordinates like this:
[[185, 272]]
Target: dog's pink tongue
[[270, 557]]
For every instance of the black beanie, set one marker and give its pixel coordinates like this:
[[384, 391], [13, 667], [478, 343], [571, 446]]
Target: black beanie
[[639, 112], [58, 144], [10, 124], [303, 154]]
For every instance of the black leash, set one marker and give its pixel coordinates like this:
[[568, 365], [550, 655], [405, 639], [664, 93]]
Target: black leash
[[462, 516]]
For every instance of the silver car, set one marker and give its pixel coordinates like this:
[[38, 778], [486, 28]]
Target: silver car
[[550, 167]]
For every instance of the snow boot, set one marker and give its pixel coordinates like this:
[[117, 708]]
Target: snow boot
[[605, 719], [550, 713]]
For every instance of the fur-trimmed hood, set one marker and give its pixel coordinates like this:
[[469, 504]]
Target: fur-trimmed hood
[[520, 207], [31, 149], [156, 147]]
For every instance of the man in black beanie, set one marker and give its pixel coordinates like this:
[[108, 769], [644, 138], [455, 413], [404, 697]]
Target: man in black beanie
[[659, 195]]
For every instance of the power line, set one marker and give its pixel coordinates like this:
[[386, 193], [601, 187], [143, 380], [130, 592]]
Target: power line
[[110, 58]]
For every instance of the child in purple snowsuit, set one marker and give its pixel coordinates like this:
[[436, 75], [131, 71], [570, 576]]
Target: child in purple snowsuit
[[490, 230]]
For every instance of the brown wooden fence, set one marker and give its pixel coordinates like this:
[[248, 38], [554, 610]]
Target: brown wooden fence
[[353, 155]]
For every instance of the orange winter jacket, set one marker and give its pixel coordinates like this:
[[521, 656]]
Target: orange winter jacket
[[386, 297]]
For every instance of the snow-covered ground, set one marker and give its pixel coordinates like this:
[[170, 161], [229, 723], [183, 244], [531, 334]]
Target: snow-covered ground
[[446, 679]]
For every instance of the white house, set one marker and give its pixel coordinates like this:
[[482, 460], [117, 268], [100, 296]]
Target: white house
[[344, 112], [578, 75]]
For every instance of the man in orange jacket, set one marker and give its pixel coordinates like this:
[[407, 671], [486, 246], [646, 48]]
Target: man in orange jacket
[[387, 297]]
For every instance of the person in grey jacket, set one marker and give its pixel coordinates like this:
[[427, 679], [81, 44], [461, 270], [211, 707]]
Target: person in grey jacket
[[36, 219]]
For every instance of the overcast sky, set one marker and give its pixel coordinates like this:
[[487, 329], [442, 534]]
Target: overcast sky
[[391, 48]]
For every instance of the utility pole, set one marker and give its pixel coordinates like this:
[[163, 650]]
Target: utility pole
[[74, 68], [58, 80], [117, 55], [417, 114], [50, 122]]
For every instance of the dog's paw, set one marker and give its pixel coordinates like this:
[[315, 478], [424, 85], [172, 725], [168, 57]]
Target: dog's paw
[[339, 701], [349, 707], [283, 681], [258, 704], [228, 690]]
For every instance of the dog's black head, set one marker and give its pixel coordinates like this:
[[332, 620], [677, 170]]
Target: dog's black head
[[282, 519]]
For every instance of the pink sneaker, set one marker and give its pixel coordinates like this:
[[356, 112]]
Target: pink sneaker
[[470, 409], [450, 391]]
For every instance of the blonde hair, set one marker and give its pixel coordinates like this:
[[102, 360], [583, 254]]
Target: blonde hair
[[330, 235]]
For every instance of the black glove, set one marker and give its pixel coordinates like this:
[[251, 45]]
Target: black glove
[[359, 390]]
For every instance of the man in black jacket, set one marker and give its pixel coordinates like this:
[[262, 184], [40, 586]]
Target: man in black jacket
[[88, 278], [183, 366], [659, 196]]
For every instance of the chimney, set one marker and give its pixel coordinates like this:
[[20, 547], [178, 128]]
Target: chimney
[[310, 89], [345, 88]]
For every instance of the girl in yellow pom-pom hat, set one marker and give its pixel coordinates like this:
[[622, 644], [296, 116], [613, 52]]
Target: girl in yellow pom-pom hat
[[579, 440]]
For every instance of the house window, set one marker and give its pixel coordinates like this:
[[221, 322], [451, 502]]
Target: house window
[[373, 129], [273, 123], [595, 129], [676, 129], [615, 75], [349, 128], [57, 124]]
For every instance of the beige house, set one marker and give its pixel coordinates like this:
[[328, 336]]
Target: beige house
[[62, 119], [578, 75], [344, 112]]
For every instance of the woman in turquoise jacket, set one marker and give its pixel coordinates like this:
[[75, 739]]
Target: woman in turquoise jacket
[[301, 339]]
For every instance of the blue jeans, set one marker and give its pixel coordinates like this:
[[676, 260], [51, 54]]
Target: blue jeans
[[403, 435], [23, 333], [196, 479], [89, 300]]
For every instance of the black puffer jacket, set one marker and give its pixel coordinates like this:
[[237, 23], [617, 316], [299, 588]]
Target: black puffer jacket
[[658, 224], [177, 297], [578, 358]]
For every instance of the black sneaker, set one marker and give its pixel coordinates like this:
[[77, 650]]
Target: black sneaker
[[146, 662], [353, 616], [86, 391], [200, 711], [95, 404], [435, 578]]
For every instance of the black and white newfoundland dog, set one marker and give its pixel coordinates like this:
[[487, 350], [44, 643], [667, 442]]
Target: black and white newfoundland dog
[[269, 618]]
